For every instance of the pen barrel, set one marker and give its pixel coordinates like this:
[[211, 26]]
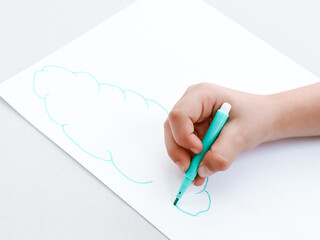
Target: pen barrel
[[211, 135]]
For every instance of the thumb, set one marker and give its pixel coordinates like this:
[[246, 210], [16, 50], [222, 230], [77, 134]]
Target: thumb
[[222, 153]]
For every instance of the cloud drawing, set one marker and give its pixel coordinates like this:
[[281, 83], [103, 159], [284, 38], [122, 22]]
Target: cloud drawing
[[108, 123]]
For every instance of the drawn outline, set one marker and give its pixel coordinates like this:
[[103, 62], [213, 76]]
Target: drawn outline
[[146, 100]]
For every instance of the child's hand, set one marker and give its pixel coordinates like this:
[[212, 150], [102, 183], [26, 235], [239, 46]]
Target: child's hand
[[250, 123]]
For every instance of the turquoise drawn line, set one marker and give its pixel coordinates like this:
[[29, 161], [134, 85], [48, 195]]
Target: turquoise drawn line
[[201, 191], [110, 159], [204, 187], [64, 124]]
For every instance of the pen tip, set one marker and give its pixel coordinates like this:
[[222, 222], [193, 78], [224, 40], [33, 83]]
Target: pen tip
[[175, 201]]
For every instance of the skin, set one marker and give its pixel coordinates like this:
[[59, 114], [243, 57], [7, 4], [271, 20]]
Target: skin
[[253, 119]]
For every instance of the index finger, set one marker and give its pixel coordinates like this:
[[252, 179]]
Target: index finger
[[195, 106]]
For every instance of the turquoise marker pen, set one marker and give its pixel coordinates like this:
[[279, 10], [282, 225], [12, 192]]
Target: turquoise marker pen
[[211, 135]]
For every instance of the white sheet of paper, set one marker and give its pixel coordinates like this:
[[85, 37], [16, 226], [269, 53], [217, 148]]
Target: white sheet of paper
[[104, 97]]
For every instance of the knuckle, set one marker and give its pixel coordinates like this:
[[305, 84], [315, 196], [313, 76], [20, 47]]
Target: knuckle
[[171, 151], [174, 115], [182, 139], [197, 86], [202, 85], [176, 156], [220, 162], [171, 154], [189, 89], [166, 124]]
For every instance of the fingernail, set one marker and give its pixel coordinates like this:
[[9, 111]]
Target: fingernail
[[203, 171], [180, 166], [194, 150]]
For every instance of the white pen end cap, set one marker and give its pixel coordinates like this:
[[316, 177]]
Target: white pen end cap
[[225, 108]]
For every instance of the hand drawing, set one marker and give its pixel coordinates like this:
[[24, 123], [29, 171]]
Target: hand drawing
[[108, 123]]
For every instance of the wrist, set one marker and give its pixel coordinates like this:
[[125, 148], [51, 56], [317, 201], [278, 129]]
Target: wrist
[[285, 116], [296, 112], [273, 115]]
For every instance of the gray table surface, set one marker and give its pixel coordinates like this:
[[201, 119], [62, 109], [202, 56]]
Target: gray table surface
[[44, 193]]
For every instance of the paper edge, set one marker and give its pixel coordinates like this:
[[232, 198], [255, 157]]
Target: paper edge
[[204, 2], [78, 163], [254, 35], [65, 45]]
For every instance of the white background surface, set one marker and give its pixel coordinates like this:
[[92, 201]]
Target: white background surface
[[34, 173]]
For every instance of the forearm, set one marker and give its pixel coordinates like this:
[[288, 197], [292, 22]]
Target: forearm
[[297, 112]]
